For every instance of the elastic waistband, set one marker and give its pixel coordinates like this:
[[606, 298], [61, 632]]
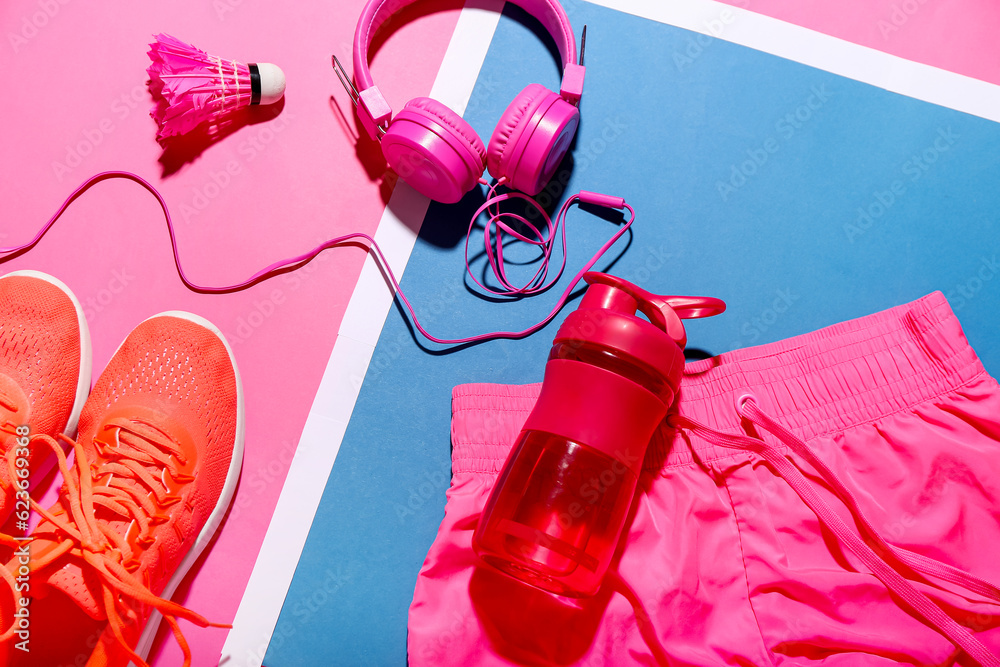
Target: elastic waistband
[[815, 384]]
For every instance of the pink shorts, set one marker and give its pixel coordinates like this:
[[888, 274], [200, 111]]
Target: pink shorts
[[756, 536]]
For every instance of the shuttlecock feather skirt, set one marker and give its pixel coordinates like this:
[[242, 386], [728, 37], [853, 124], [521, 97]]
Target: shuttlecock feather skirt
[[192, 87]]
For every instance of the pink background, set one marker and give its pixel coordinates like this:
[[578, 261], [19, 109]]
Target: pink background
[[949, 34], [75, 104], [74, 80]]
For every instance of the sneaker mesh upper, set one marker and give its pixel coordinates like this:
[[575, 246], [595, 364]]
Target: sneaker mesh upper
[[183, 372], [40, 348]]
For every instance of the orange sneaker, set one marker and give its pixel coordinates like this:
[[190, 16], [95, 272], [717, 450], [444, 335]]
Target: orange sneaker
[[44, 374], [156, 465]]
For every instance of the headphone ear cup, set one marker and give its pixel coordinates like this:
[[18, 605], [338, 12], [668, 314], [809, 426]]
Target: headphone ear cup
[[532, 138], [508, 123], [434, 150]]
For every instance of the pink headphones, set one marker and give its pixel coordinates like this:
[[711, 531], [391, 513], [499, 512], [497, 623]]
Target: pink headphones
[[439, 154]]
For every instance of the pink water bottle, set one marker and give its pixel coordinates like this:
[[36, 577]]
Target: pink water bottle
[[558, 507]]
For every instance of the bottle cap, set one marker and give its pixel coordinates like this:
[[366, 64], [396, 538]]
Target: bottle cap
[[613, 413], [607, 317]]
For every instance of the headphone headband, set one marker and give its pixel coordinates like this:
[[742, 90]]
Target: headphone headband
[[373, 108]]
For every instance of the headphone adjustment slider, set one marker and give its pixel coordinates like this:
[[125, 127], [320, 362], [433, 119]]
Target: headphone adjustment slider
[[573, 74], [373, 110], [572, 83]]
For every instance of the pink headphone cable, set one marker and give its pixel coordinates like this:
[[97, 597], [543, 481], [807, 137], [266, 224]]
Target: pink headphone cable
[[536, 285]]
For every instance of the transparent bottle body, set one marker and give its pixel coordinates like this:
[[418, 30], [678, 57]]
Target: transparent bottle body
[[556, 522], [557, 512]]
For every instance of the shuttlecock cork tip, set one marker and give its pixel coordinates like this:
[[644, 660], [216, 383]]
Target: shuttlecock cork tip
[[271, 81]]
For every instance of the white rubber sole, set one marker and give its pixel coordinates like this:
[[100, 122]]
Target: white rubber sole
[[225, 498]]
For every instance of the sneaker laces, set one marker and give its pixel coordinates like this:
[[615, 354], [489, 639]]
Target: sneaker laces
[[873, 550], [10, 428], [9, 405], [7, 402], [124, 481], [8, 457]]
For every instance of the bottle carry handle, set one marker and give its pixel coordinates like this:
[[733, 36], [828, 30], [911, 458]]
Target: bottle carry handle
[[664, 311]]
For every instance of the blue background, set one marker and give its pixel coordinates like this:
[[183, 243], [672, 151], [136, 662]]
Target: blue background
[[668, 118]]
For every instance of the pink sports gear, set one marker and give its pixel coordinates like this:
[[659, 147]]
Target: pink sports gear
[[555, 515], [830, 499], [438, 153], [494, 241]]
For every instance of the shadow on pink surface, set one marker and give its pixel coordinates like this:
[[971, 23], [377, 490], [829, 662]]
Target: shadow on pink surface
[[184, 149]]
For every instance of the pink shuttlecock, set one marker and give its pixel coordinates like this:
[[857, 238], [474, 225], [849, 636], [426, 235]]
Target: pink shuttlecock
[[192, 87]]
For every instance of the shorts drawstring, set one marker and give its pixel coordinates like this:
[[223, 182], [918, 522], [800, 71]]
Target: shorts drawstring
[[873, 558]]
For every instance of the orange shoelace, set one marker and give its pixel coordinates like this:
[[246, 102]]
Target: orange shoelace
[[11, 429], [8, 428], [7, 403], [106, 553]]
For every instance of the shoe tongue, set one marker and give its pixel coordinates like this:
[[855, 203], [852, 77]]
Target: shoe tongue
[[68, 574], [79, 584]]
